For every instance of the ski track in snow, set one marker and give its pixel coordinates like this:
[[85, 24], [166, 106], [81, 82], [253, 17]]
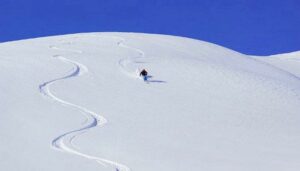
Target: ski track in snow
[[124, 62], [64, 142]]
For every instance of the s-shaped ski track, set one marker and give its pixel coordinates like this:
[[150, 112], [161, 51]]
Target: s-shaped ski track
[[125, 62], [63, 142]]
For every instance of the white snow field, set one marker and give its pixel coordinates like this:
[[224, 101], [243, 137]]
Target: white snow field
[[76, 102]]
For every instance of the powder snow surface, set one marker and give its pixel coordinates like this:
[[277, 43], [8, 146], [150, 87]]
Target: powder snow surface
[[76, 102]]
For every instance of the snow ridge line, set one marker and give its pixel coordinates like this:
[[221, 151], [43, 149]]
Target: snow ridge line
[[64, 141]]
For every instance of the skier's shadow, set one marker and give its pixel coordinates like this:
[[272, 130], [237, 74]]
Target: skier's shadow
[[150, 80]]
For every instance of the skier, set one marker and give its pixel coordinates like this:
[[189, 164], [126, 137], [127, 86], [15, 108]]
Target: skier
[[144, 74]]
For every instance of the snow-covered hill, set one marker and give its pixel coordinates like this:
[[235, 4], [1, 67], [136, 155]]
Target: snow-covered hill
[[75, 102]]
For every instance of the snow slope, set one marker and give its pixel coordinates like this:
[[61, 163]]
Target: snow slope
[[75, 102], [289, 62]]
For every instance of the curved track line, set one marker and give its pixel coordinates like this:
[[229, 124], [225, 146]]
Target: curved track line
[[64, 141], [124, 62], [70, 50]]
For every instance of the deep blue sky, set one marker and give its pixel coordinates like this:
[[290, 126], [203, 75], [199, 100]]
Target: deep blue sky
[[259, 27]]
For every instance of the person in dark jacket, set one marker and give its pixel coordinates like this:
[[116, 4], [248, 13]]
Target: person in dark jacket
[[144, 74]]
